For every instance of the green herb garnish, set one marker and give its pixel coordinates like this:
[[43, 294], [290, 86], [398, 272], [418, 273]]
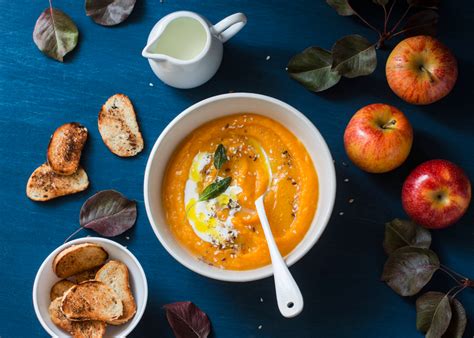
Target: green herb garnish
[[220, 157], [214, 189]]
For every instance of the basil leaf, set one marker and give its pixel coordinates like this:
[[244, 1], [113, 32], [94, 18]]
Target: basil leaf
[[354, 56], [109, 12], [400, 233], [342, 7], [214, 189], [312, 68], [433, 314], [109, 213], [187, 320], [55, 34], [220, 157], [408, 269]]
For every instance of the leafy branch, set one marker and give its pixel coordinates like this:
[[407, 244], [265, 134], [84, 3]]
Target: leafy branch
[[318, 69], [410, 266]]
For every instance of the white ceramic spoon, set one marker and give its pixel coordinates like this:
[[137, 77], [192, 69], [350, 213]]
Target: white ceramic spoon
[[289, 297]]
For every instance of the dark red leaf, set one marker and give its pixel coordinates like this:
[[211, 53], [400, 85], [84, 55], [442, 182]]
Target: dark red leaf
[[109, 12], [187, 320], [109, 213]]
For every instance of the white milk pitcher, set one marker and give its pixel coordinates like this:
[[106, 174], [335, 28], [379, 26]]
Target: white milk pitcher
[[185, 50]]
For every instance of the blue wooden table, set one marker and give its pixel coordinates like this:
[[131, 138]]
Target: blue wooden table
[[339, 277]]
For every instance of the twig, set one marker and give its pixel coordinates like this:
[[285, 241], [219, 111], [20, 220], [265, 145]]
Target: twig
[[385, 19], [73, 234], [390, 12], [454, 272], [401, 19], [408, 29], [460, 290], [368, 24], [450, 274]]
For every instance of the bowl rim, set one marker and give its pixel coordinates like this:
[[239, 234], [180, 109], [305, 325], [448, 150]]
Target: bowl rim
[[138, 315], [292, 257]]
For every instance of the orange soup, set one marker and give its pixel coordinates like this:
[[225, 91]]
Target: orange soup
[[215, 176]]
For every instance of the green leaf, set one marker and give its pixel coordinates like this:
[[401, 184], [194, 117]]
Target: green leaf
[[433, 314], [381, 2], [342, 7], [408, 269], [354, 56], [400, 233], [422, 23], [214, 189], [109, 12], [220, 157], [458, 321], [424, 3], [55, 33], [312, 68]]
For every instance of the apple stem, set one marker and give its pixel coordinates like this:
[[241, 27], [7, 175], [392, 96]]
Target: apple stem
[[430, 75], [389, 124]]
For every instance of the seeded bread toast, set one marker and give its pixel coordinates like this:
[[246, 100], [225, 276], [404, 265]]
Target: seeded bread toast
[[118, 126], [65, 148], [59, 288], [78, 258], [57, 316], [91, 300], [115, 274], [84, 275], [44, 184], [88, 329]]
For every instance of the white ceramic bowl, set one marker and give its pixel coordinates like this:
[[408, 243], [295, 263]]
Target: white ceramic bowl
[[45, 278], [216, 107]]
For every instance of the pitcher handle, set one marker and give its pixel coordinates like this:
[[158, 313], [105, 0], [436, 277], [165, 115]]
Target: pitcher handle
[[228, 27]]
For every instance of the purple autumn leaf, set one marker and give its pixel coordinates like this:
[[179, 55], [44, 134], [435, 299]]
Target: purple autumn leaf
[[108, 213]]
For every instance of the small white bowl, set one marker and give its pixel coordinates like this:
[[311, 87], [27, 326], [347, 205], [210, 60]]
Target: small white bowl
[[213, 108], [45, 278]]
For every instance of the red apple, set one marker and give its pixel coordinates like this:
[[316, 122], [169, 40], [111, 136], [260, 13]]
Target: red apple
[[421, 70], [436, 194], [378, 138]]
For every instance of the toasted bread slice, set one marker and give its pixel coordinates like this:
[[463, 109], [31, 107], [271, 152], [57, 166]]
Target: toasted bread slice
[[59, 288], [115, 274], [58, 317], [65, 148], [44, 184], [118, 126], [91, 300], [84, 275], [78, 258], [88, 329]]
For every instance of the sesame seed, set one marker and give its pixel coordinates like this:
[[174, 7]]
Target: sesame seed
[[260, 327], [261, 300], [151, 84], [341, 213], [127, 237], [344, 164], [351, 200], [268, 57], [346, 180]]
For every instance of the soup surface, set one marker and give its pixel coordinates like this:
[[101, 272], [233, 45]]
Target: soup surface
[[215, 176]]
